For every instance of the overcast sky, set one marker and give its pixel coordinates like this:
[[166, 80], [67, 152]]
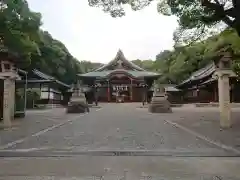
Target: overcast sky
[[90, 34]]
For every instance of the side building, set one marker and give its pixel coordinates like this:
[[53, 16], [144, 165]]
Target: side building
[[202, 86], [44, 89], [119, 76]]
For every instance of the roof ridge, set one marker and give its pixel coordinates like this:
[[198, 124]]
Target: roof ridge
[[48, 77], [203, 70], [43, 75], [121, 56], [198, 73]]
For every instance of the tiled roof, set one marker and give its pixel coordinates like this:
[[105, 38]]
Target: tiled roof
[[210, 80], [200, 74], [42, 75], [120, 56], [20, 71], [48, 77], [132, 73], [168, 88], [171, 89]]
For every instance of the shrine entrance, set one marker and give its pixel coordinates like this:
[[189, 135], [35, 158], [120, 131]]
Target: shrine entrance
[[121, 85], [1, 98], [119, 78]]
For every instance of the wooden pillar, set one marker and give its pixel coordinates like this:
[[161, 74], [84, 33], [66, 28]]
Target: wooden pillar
[[131, 89], [25, 93], [48, 94], [108, 91], [215, 94], [232, 93]]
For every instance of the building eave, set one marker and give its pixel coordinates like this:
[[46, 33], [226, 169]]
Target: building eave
[[121, 56], [105, 74], [202, 73]]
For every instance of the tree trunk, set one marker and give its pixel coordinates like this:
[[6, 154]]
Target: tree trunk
[[236, 5]]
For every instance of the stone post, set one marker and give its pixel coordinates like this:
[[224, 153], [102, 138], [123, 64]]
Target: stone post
[[7, 101], [224, 101], [12, 98], [223, 72], [224, 97]]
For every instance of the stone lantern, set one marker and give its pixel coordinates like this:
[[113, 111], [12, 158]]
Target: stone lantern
[[144, 86], [78, 103], [8, 76], [159, 103], [96, 87], [223, 72]]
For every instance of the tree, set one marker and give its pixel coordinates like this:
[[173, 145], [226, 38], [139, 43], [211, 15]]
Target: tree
[[20, 33], [19, 27], [177, 65], [197, 15], [145, 64]]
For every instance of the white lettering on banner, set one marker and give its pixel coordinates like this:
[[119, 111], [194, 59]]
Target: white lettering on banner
[[120, 87]]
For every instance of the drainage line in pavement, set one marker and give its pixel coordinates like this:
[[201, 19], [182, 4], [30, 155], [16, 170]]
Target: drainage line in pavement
[[210, 141], [120, 154]]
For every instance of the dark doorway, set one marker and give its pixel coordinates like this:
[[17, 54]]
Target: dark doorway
[[1, 98]]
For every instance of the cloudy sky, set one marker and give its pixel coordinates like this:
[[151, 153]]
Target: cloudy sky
[[90, 34]]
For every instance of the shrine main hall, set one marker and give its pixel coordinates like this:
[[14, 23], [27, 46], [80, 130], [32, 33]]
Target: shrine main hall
[[119, 77]]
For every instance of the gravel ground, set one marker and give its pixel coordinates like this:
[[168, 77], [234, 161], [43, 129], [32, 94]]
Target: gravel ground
[[59, 146], [117, 127]]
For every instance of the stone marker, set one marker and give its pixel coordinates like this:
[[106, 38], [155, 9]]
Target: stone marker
[[159, 103], [78, 103], [223, 73]]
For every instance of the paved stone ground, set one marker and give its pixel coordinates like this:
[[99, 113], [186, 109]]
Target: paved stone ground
[[205, 121], [116, 168], [55, 146], [35, 121], [116, 127]]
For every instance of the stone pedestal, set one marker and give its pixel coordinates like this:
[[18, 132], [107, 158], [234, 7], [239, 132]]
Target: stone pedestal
[[224, 97], [8, 102], [159, 103], [78, 103]]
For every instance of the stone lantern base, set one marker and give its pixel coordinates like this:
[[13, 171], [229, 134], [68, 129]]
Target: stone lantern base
[[77, 107], [78, 103], [159, 104]]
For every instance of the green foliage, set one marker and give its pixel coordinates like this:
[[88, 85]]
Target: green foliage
[[20, 33], [32, 96], [145, 64], [19, 27], [55, 59], [196, 17], [87, 66], [177, 65]]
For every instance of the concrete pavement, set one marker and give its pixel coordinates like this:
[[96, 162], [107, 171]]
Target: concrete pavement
[[116, 168], [111, 141], [116, 127]]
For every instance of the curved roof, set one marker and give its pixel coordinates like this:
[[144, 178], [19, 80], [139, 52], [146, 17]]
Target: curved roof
[[136, 74], [200, 74], [120, 56], [48, 77], [119, 65]]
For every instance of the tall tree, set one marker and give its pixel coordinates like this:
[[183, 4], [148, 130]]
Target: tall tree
[[198, 15], [20, 33], [19, 27], [177, 65]]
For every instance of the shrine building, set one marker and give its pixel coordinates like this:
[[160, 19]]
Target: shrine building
[[119, 76], [202, 86]]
